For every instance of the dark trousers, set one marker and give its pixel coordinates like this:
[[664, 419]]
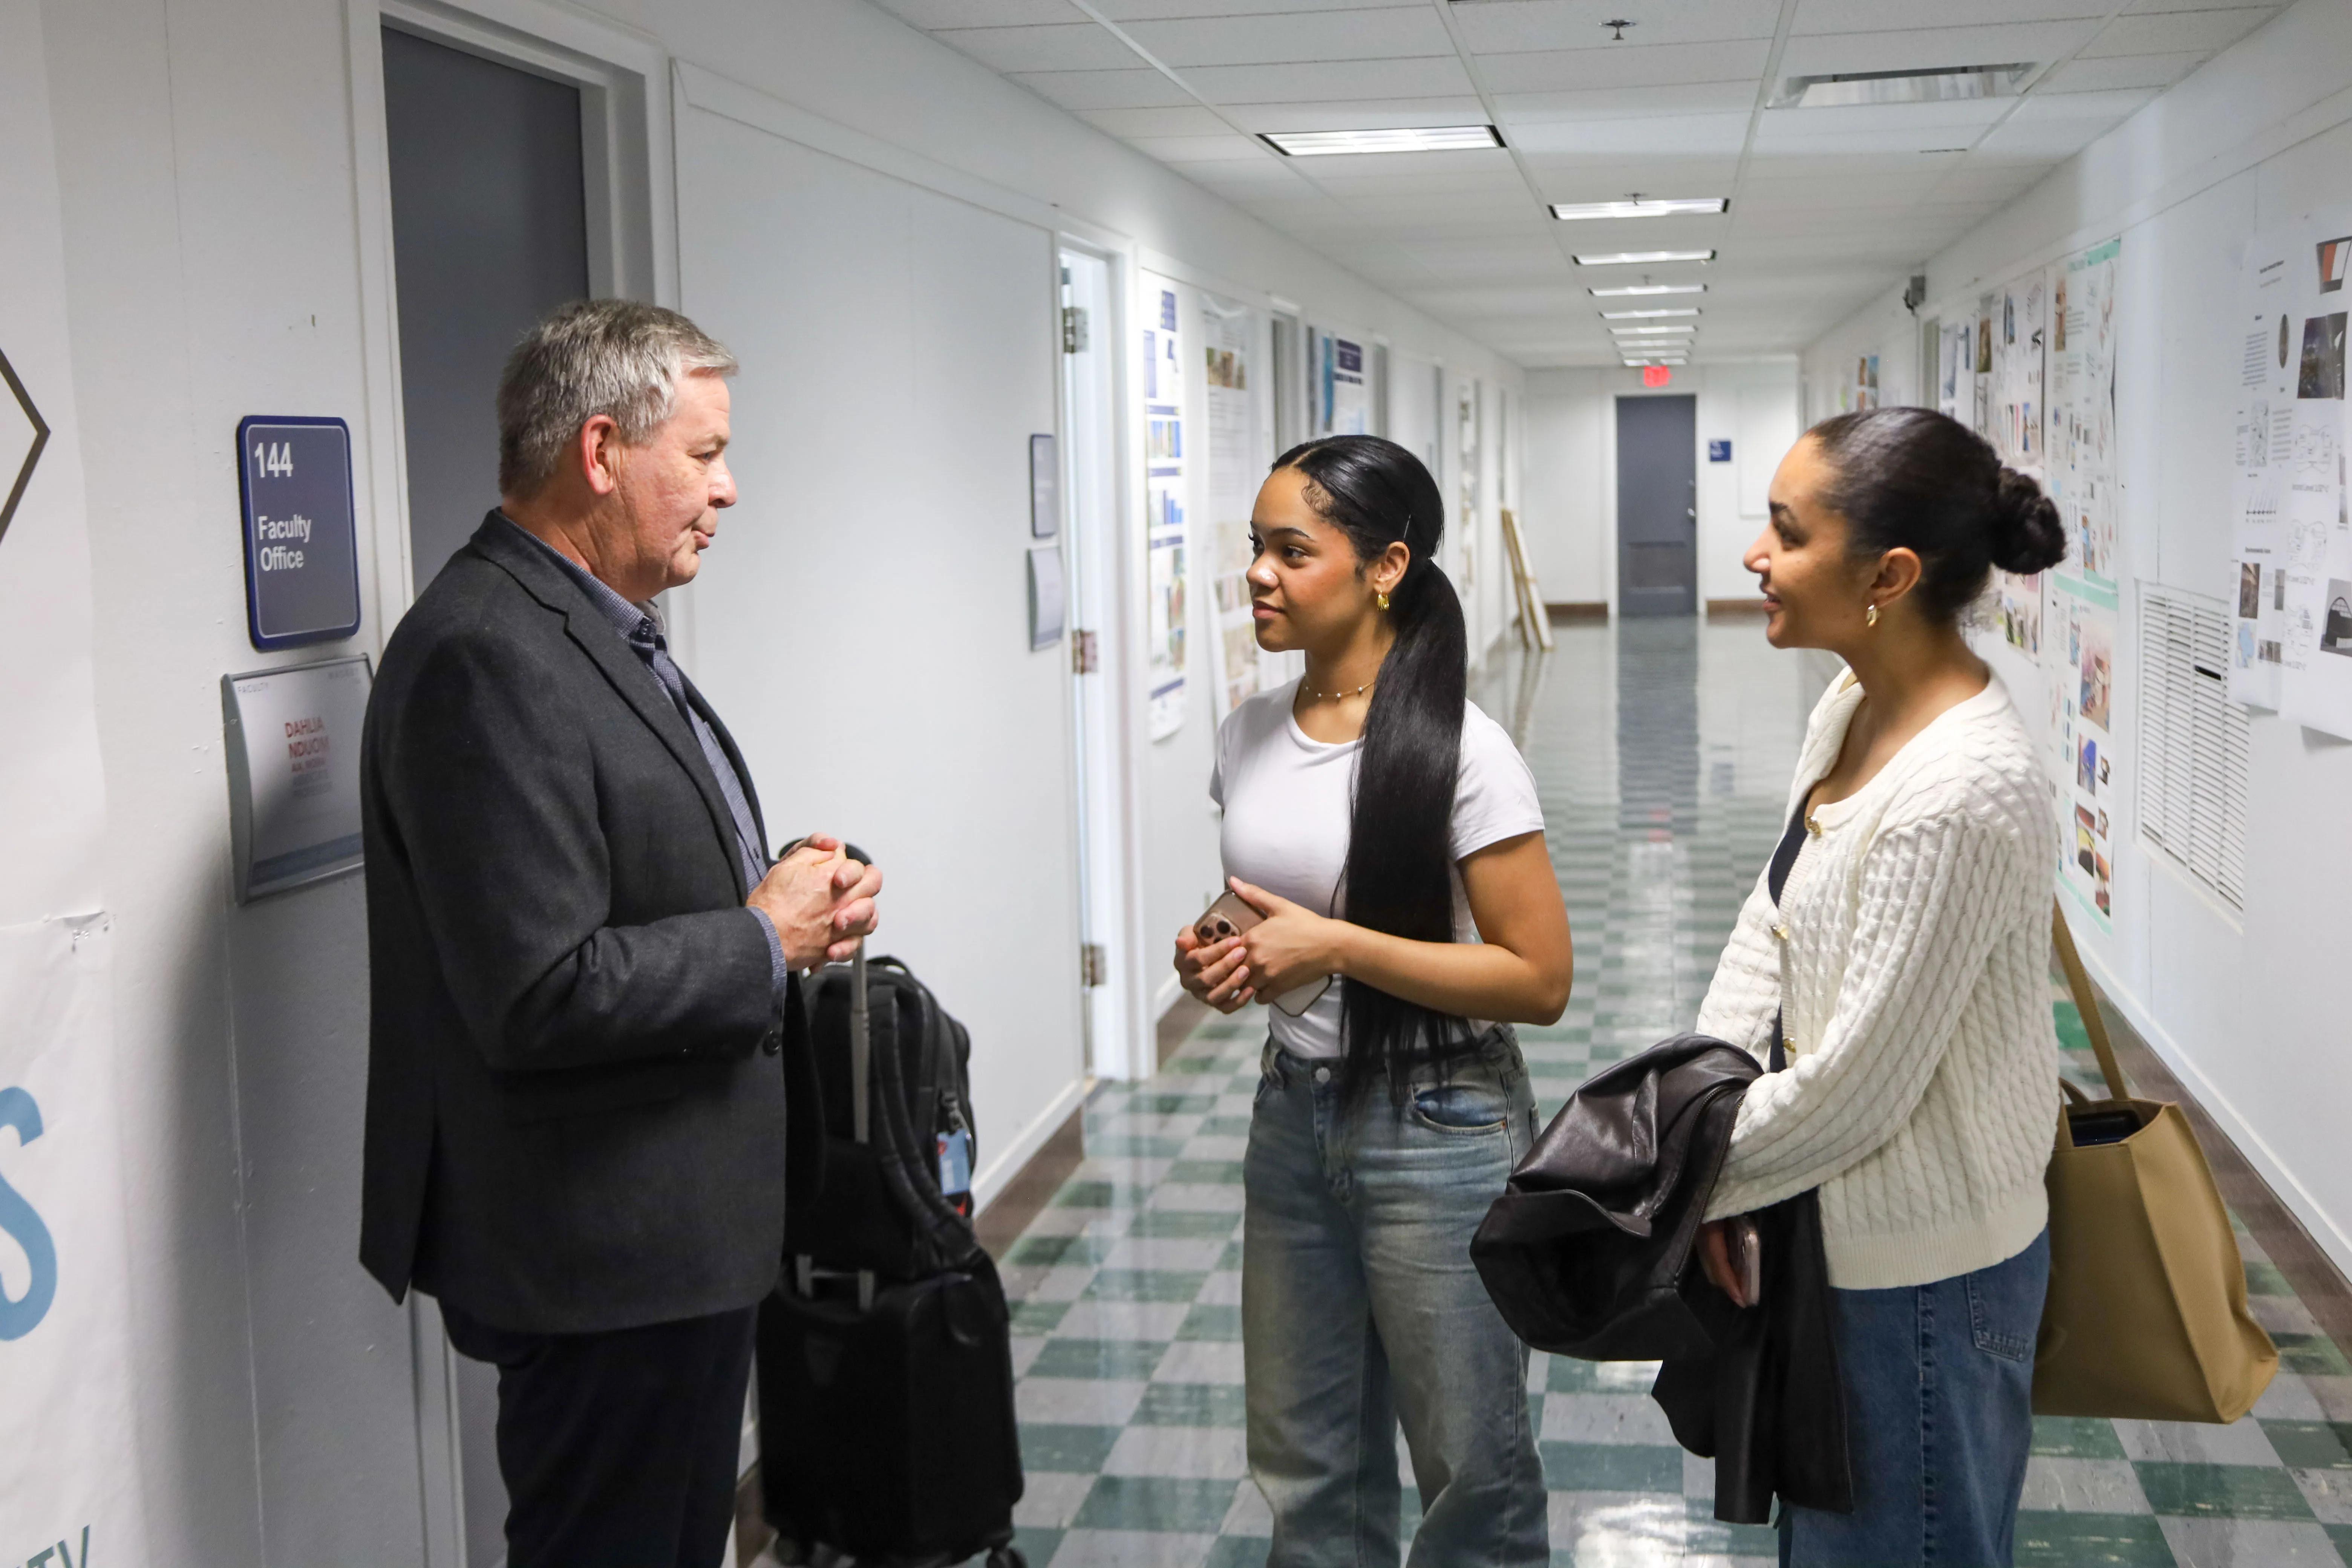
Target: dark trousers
[[618, 1449]]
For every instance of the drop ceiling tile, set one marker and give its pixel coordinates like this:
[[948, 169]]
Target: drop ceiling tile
[[1388, 33], [1190, 119], [1336, 81], [1620, 103], [2106, 107], [2177, 32], [1859, 122], [1229, 147], [1366, 114], [1601, 177], [1808, 162], [1409, 175], [1800, 132], [1674, 135], [1125, 11], [1078, 45], [931, 14], [1885, 16], [1925, 47], [1562, 70], [1511, 26], [2121, 70], [2049, 140], [1141, 88]]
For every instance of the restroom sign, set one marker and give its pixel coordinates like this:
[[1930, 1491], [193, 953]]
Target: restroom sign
[[302, 554]]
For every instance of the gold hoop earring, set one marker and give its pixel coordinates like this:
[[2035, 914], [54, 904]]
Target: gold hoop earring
[[1870, 616], [1381, 600]]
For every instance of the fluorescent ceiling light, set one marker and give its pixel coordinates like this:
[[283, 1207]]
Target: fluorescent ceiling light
[[1402, 138], [1936, 84], [1641, 257], [1643, 291], [1652, 332], [1643, 315], [1640, 206]]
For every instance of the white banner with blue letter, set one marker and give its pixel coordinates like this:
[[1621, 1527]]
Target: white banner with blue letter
[[69, 1490]]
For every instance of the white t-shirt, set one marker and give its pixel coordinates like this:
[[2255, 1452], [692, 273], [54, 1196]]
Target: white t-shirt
[[1288, 800]]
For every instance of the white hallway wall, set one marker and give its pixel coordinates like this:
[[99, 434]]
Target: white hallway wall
[[2247, 1008], [211, 216], [1571, 470]]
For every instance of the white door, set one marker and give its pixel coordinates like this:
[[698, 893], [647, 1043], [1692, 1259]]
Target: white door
[[1090, 477]]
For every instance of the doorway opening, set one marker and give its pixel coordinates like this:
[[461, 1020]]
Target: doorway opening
[[1657, 506]]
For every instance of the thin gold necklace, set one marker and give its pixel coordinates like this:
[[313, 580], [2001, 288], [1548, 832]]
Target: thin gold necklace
[[1339, 696]]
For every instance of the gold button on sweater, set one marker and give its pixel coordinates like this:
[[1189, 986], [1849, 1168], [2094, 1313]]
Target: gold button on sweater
[[1909, 959]]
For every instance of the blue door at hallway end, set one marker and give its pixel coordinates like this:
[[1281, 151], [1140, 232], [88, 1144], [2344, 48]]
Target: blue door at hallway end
[[1657, 506]]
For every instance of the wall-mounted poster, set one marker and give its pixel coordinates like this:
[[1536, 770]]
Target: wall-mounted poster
[[1164, 495], [2079, 472], [1465, 510], [2312, 530], [1237, 462], [1344, 385], [1866, 382], [2011, 343]]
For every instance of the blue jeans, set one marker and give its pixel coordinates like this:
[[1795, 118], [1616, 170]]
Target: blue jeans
[[1939, 1396], [1360, 1311]]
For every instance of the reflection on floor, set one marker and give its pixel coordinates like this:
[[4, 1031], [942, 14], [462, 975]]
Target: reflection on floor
[[1662, 750]]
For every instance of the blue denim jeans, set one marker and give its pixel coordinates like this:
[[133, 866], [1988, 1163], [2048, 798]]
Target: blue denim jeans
[[1360, 1311], [1939, 1396]]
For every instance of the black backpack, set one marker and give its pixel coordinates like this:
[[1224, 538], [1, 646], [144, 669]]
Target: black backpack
[[893, 1198]]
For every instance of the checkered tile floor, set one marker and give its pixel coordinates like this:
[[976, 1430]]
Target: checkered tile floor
[[1663, 750]]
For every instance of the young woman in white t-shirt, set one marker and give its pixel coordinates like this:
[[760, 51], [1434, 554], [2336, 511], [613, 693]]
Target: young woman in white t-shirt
[[1389, 834]]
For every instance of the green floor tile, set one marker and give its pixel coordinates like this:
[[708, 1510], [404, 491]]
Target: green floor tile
[[2264, 1280], [1090, 1195], [1192, 1404], [1079, 1450], [1113, 1359], [1210, 1322], [2089, 1541], [1226, 1126], [2076, 1437], [1155, 1502], [1185, 1224], [2314, 1355], [1206, 1173], [1230, 1257], [1187, 1067], [1172, 1105], [1038, 1546], [1238, 1552], [2341, 1535], [1144, 1285], [1611, 1468], [2223, 1491], [2312, 1444], [1038, 1317], [1566, 1374], [1135, 1148], [1058, 1249]]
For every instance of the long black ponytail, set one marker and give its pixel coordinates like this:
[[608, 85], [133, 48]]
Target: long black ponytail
[[1400, 859]]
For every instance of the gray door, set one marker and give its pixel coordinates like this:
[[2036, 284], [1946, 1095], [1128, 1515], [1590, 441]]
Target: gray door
[[1657, 506], [488, 233]]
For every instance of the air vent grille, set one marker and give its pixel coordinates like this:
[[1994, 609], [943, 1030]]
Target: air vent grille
[[2192, 742]]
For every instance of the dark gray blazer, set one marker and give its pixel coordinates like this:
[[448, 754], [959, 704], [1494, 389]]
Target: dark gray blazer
[[575, 1116]]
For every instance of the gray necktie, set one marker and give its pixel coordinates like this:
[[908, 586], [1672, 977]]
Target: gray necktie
[[647, 643]]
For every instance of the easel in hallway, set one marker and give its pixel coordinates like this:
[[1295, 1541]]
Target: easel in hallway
[[1535, 620]]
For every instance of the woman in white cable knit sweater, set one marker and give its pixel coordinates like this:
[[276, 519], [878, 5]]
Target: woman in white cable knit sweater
[[1897, 953]]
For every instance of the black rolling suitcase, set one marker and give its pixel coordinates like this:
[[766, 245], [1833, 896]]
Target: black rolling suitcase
[[886, 1425]]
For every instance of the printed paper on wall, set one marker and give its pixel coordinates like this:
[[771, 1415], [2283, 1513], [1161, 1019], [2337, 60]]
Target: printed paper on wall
[[1164, 504]]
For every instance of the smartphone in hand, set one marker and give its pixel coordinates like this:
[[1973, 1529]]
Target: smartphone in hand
[[1228, 916]]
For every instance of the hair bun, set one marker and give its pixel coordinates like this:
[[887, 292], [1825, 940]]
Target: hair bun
[[2027, 536]]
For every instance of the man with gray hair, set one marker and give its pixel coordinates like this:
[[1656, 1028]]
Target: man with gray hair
[[582, 960]]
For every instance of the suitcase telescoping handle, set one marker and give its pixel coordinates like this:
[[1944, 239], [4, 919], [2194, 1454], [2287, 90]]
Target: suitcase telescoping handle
[[861, 1103]]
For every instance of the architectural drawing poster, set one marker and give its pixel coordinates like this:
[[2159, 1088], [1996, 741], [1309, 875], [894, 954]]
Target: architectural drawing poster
[[1235, 466], [2012, 344], [2078, 471], [2294, 546], [1164, 496]]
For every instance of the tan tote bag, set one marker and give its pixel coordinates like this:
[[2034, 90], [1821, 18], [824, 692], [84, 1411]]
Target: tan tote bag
[[2147, 1315]]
